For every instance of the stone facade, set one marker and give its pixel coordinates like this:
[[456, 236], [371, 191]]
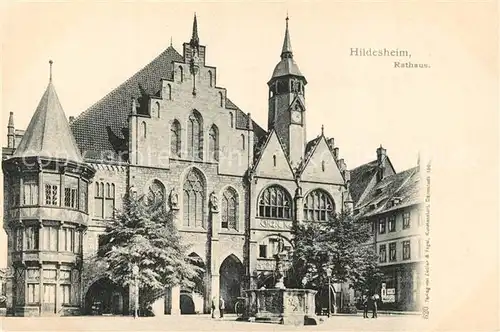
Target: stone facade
[[234, 188]]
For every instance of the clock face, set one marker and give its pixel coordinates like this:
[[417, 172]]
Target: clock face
[[296, 116]]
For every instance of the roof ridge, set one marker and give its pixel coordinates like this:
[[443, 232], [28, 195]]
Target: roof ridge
[[88, 109]]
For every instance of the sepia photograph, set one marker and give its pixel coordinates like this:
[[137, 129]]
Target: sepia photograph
[[222, 166]]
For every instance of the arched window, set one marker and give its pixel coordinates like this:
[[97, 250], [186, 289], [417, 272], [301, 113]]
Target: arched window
[[213, 143], [323, 165], [155, 195], [274, 160], [221, 97], [243, 141], [231, 120], [275, 202], [229, 213], [175, 139], [157, 109], [195, 136], [144, 129], [194, 200], [210, 78], [181, 73], [168, 92], [318, 206]]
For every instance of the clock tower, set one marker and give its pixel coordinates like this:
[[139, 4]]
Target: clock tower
[[287, 104]]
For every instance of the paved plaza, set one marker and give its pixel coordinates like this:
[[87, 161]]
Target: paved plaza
[[205, 323]]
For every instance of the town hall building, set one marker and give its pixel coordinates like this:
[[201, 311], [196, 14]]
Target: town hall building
[[171, 133]]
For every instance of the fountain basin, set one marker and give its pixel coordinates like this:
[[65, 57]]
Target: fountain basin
[[281, 306]]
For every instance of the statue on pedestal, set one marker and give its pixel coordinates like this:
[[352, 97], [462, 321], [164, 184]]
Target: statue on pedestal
[[279, 272], [174, 199], [214, 202]]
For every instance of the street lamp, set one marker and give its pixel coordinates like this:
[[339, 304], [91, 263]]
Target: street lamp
[[135, 273], [329, 275]]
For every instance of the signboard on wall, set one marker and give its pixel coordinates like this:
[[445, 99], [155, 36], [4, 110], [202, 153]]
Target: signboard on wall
[[388, 294]]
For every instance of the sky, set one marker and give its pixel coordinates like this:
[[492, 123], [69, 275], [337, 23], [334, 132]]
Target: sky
[[444, 111]]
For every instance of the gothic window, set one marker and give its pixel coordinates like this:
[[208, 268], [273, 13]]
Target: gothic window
[[229, 213], [30, 187], [274, 160], [194, 200], [156, 194], [231, 120], [144, 129], [210, 78], [195, 136], [213, 143], [175, 139], [221, 97], [318, 206], [323, 165], [275, 202], [167, 92], [242, 142]]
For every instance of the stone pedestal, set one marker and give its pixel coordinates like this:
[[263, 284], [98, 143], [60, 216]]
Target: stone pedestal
[[281, 306]]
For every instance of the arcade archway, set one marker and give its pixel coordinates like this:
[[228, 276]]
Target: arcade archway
[[231, 272], [105, 297]]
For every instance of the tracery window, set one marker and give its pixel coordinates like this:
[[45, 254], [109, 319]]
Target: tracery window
[[194, 200], [318, 206], [229, 213], [275, 202]]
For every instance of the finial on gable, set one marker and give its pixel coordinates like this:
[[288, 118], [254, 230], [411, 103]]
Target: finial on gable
[[50, 70], [322, 130]]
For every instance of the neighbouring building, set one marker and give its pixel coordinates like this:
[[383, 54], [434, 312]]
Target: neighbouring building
[[172, 133], [391, 202]]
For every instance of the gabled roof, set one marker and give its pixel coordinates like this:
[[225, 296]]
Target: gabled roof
[[48, 133], [101, 127], [261, 147], [403, 185], [360, 179]]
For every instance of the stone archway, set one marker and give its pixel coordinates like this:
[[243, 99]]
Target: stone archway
[[231, 272], [192, 300], [105, 297]]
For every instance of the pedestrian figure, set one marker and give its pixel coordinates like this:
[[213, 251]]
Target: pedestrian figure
[[213, 307], [375, 298], [365, 306], [221, 307]]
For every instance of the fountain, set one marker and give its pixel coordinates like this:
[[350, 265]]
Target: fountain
[[281, 305]]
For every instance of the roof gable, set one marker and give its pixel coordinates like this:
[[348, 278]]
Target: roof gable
[[48, 133], [320, 164], [272, 161]]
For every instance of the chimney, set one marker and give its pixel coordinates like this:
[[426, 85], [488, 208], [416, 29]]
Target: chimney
[[336, 153], [71, 119], [331, 143], [11, 131], [381, 156]]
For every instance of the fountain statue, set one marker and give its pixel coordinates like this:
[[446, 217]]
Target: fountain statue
[[280, 304]]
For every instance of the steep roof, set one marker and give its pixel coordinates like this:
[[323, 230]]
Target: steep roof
[[287, 65], [403, 185], [103, 127], [360, 179], [48, 133]]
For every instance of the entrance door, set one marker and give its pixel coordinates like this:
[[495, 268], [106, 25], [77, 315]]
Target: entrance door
[[231, 271]]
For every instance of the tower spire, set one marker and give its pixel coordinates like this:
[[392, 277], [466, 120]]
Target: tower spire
[[195, 40], [286, 51]]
